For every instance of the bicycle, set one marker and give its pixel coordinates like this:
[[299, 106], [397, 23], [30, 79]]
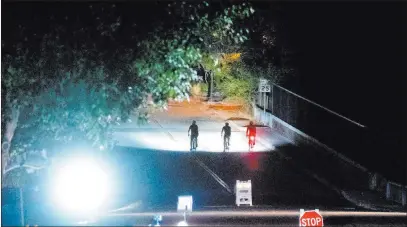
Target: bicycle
[[193, 143], [226, 143], [251, 142]]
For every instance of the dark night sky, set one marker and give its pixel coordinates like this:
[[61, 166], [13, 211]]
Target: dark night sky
[[350, 57]]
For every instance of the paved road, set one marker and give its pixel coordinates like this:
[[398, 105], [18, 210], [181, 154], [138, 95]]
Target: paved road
[[159, 153], [168, 131], [156, 167], [157, 178], [258, 216]]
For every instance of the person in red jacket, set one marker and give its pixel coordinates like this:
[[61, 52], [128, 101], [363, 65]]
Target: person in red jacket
[[251, 131]]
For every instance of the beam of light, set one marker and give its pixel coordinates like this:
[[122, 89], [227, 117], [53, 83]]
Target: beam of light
[[177, 140]]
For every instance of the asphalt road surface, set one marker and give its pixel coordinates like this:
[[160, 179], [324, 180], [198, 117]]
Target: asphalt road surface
[[257, 216], [155, 167], [158, 178], [159, 153]]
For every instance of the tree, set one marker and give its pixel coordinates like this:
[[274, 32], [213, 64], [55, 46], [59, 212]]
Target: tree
[[240, 66], [72, 90], [217, 32]]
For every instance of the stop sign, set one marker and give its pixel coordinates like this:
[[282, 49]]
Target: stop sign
[[311, 218]]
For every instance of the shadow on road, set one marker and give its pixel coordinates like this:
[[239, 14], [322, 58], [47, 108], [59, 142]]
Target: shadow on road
[[158, 178]]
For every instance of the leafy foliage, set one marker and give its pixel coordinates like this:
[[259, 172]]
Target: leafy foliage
[[212, 31], [72, 89], [168, 69], [236, 67]]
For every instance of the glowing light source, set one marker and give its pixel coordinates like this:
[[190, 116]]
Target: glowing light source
[[182, 223], [80, 186], [184, 203]]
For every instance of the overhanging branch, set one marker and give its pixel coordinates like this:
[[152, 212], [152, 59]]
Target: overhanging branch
[[25, 166]]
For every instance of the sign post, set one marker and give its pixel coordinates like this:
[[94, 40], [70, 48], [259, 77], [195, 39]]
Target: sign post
[[264, 87], [211, 94], [272, 100], [311, 218]]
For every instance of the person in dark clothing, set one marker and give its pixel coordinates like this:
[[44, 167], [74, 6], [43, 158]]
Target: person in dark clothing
[[193, 131], [226, 132]]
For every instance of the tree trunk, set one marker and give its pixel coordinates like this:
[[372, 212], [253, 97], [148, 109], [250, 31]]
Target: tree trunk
[[11, 126]]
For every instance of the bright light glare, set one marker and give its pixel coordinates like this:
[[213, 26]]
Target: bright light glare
[[80, 186], [182, 223]]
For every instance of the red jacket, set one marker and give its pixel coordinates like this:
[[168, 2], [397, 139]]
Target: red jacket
[[251, 130]]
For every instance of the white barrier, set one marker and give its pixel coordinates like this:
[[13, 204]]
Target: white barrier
[[184, 203], [244, 193]]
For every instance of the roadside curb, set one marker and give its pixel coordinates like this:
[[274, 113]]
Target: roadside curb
[[370, 206], [331, 186], [358, 203]]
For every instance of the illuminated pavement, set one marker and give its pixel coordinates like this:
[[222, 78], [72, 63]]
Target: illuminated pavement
[[167, 131], [163, 148]]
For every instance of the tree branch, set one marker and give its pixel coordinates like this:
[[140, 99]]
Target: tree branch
[[11, 126], [26, 166]]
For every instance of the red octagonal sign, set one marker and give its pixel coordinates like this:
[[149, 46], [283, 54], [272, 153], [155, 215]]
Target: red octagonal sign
[[311, 218]]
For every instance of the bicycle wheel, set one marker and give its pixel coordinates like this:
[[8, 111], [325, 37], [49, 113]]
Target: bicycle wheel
[[191, 144], [194, 143]]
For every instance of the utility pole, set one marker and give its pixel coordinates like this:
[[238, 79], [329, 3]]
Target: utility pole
[[211, 94], [264, 104], [272, 98]]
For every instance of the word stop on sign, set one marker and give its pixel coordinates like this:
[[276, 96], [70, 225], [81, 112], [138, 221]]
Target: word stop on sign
[[311, 218]]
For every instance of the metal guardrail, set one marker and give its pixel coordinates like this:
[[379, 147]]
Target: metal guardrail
[[329, 127], [396, 193], [320, 106]]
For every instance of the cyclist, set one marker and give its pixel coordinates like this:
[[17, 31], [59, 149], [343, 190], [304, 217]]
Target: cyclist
[[227, 133], [251, 131], [194, 133]]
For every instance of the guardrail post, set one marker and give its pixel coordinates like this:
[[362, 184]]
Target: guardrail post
[[403, 196], [272, 98], [388, 191]]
